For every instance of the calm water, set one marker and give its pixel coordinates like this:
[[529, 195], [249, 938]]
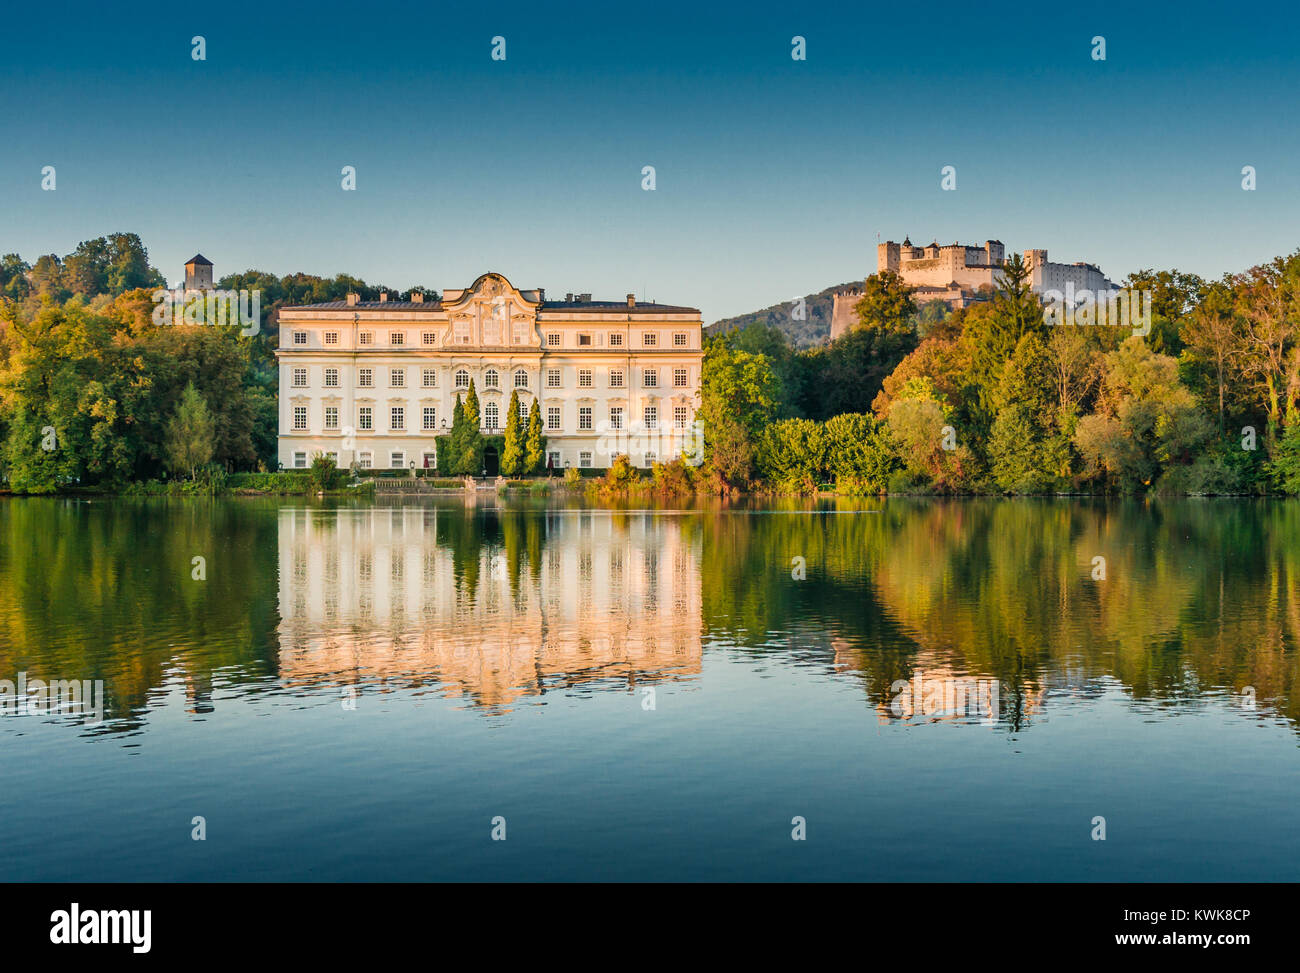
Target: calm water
[[355, 692]]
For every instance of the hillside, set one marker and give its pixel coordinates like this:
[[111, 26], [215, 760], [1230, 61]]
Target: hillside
[[802, 334]]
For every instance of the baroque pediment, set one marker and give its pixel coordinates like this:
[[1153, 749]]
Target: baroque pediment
[[490, 313]]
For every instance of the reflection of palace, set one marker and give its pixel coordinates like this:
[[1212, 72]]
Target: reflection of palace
[[422, 595]]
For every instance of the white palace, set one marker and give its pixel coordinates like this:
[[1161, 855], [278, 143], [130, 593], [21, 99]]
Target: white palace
[[375, 382]]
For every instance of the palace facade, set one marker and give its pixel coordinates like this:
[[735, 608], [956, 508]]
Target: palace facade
[[375, 382]]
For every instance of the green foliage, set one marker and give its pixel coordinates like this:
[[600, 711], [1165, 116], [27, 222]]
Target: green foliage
[[535, 443], [325, 475], [190, 433], [513, 452], [886, 305], [792, 454]]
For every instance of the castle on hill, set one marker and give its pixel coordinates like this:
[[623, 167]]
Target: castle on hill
[[959, 275]]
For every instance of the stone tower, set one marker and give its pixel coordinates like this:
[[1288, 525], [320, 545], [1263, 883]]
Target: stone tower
[[198, 273]]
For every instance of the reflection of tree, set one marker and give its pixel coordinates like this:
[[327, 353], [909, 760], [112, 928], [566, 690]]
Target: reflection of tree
[[103, 590], [1198, 596]]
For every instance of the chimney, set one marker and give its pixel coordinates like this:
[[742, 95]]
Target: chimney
[[383, 297], [417, 297], [584, 298], [352, 300], [631, 300], [568, 298], [541, 293]]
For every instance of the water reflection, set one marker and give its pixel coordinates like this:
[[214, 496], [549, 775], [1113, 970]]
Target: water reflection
[[489, 605], [498, 604]]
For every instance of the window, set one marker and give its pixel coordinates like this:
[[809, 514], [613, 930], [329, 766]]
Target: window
[[299, 378], [300, 460], [365, 460], [397, 378], [679, 339], [523, 410], [331, 337], [521, 379], [491, 415], [584, 378], [366, 338], [649, 457], [650, 378], [333, 457], [651, 417], [331, 417], [616, 417], [649, 339], [552, 339], [429, 378], [398, 416], [679, 378], [584, 459], [396, 459], [430, 460], [491, 379], [616, 339], [521, 332], [365, 417], [300, 417], [365, 378], [396, 338], [430, 417], [553, 417], [584, 340], [428, 338], [552, 378], [616, 378], [331, 378], [555, 458], [679, 416], [300, 337], [460, 332], [462, 378], [584, 417]]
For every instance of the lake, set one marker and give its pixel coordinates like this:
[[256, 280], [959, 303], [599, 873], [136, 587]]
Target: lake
[[919, 690]]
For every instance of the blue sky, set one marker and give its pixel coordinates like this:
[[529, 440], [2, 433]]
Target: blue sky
[[774, 177]]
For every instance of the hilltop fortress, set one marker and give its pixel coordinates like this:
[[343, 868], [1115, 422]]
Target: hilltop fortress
[[959, 275]]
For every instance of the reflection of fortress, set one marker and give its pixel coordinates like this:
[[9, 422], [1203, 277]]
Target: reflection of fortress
[[371, 596]]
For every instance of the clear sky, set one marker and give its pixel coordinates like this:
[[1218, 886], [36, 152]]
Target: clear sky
[[774, 177]]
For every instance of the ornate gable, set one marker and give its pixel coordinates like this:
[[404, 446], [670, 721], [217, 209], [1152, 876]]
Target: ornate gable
[[490, 314]]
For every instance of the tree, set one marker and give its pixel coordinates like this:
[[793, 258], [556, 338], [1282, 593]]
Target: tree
[[190, 433], [512, 455], [535, 444], [468, 439], [887, 305], [1212, 338]]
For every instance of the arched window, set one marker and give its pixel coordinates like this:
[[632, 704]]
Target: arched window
[[491, 379], [521, 379], [523, 410], [490, 415], [462, 378]]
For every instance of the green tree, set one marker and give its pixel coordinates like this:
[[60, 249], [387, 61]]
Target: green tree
[[887, 304], [190, 433], [469, 438], [535, 444], [512, 455]]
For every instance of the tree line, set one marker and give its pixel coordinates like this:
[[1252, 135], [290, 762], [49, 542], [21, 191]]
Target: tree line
[[993, 397]]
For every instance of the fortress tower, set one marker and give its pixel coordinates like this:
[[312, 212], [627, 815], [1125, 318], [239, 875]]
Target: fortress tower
[[198, 273]]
